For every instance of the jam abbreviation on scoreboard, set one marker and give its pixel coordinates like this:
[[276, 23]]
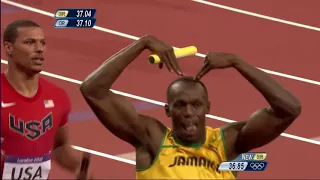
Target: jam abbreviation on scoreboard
[[75, 18], [246, 162]]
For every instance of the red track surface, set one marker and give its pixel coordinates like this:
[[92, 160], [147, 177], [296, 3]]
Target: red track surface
[[263, 43]]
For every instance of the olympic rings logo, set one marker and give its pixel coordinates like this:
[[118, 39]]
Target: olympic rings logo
[[257, 166]]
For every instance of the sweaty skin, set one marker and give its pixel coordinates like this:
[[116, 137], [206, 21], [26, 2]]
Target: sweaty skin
[[118, 115]]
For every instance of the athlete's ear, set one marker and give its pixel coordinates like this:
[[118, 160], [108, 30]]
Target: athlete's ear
[[166, 107], [8, 48], [208, 107]]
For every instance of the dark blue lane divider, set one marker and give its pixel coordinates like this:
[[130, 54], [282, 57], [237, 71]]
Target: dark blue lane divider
[[89, 115]]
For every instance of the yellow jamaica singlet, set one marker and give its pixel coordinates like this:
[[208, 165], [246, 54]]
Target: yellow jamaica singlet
[[175, 161]]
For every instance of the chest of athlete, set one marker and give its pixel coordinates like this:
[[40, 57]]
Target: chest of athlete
[[30, 123], [200, 161], [30, 120]]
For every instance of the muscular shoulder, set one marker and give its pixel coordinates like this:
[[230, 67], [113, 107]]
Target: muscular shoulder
[[47, 85], [153, 126], [230, 133], [155, 131], [53, 89], [151, 123]]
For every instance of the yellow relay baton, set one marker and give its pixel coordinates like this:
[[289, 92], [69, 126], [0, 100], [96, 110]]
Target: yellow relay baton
[[179, 53]]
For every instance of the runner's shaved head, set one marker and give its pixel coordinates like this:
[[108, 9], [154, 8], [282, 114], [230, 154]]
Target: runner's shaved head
[[183, 83]]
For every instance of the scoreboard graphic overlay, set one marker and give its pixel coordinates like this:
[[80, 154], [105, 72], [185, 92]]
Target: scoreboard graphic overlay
[[246, 162], [75, 18]]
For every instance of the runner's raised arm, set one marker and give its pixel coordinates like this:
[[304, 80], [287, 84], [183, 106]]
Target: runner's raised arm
[[115, 112]]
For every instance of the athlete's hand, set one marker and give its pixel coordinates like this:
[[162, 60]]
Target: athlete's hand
[[85, 162], [216, 60], [164, 51]]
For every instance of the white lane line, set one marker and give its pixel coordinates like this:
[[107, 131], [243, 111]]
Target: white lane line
[[316, 138], [162, 104], [257, 15], [129, 155], [39, 11], [108, 156]]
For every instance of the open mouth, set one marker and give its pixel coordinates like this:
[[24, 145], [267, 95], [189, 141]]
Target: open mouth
[[190, 128]]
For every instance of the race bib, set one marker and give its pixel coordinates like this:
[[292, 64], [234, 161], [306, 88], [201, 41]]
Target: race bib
[[17, 167]]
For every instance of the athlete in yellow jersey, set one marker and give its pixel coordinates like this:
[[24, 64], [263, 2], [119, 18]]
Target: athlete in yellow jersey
[[195, 161], [190, 150]]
